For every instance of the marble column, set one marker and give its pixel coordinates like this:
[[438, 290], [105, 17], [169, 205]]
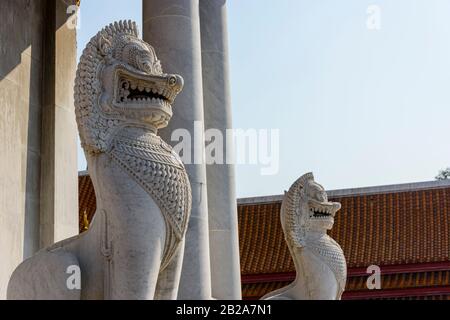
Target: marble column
[[222, 206], [173, 28]]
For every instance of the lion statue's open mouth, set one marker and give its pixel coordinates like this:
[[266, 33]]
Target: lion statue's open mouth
[[316, 210], [142, 92], [134, 92], [322, 210]]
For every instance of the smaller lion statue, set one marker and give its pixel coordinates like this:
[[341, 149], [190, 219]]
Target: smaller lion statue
[[306, 215]]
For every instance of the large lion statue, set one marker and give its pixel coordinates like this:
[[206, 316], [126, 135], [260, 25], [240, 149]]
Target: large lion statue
[[306, 215], [134, 247]]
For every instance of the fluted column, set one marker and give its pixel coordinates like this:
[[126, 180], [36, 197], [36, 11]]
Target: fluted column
[[173, 28], [222, 207]]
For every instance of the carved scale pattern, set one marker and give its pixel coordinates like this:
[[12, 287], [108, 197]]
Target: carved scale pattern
[[332, 255], [153, 164]]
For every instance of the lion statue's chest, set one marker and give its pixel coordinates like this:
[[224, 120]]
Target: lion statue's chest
[[330, 253], [159, 170]]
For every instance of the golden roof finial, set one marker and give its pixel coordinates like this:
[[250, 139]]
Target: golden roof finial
[[85, 222]]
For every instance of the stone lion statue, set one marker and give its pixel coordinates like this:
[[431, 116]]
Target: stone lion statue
[[134, 247], [306, 215]]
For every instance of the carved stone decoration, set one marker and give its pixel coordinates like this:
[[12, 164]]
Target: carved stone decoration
[[306, 215], [134, 246]]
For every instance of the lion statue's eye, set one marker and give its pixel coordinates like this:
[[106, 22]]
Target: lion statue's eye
[[321, 196], [145, 61], [139, 57]]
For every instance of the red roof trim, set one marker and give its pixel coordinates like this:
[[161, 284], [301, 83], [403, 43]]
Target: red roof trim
[[404, 268], [396, 293], [267, 277], [391, 293], [353, 272]]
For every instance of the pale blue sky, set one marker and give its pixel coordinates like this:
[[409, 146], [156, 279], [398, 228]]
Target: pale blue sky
[[357, 107]]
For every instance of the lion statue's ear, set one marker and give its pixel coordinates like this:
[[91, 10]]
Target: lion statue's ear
[[104, 45]]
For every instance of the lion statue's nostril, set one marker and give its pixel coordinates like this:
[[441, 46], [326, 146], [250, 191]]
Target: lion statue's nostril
[[172, 81]]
